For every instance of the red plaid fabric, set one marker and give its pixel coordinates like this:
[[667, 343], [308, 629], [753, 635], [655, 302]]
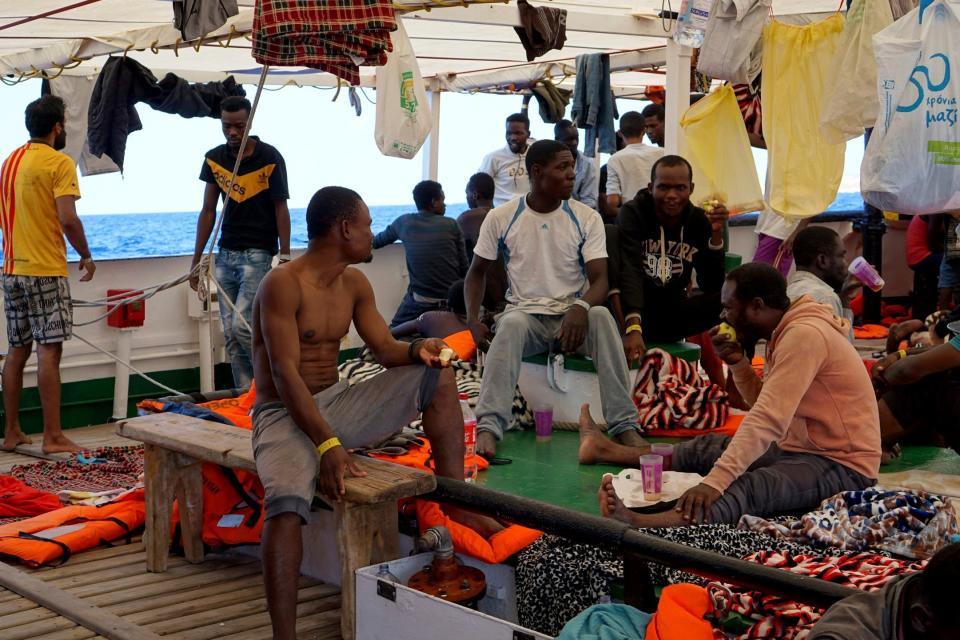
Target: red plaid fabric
[[335, 36]]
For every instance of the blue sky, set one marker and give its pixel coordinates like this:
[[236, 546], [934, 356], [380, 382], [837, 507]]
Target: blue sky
[[323, 142]]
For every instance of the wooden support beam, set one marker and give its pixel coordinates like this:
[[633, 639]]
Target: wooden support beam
[[69, 606]]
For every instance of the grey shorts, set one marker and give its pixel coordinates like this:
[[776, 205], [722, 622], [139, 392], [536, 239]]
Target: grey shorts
[[360, 415], [778, 482], [38, 309]]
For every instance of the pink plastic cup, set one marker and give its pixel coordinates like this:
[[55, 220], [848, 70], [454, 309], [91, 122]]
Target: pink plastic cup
[[543, 422], [651, 468], [864, 272], [664, 450]]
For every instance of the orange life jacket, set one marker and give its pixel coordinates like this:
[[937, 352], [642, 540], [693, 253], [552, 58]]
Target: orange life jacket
[[421, 457], [680, 614], [492, 550], [57, 535], [462, 342]]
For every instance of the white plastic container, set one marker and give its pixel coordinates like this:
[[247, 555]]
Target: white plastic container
[[692, 23]]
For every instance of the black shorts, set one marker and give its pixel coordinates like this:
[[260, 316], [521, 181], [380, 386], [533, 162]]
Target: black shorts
[[929, 408]]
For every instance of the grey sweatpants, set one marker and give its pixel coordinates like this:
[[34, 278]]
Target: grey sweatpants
[[778, 482], [520, 334]]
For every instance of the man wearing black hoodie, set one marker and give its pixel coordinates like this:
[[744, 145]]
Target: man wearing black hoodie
[[663, 239]]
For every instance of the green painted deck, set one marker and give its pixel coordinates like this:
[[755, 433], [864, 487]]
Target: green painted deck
[[548, 471]]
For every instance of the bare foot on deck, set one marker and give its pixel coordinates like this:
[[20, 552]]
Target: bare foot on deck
[[486, 444], [12, 440], [484, 525], [60, 444], [595, 447], [611, 506], [890, 454], [631, 438]]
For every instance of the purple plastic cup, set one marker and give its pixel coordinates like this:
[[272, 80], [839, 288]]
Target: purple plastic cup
[[543, 421], [865, 272], [664, 450], [651, 468]]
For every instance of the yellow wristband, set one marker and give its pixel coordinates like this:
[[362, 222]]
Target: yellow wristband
[[902, 353], [326, 445], [634, 327]]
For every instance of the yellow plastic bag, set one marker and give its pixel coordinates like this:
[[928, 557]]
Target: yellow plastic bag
[[804, 170], [714, 139], [850, 103]]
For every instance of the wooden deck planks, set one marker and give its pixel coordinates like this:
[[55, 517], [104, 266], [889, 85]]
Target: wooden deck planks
[[223, 597]]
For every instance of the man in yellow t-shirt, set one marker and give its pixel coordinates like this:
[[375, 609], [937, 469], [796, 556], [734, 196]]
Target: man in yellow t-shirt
[[38, 190]]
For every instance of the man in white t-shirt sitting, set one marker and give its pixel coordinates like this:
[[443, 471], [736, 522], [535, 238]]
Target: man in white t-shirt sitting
[[556, 261], [507, 166], [628, 170]]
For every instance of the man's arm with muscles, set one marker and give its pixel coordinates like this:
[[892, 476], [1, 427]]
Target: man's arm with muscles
[[631, 284], [282, 213], [573, 330], [374, 332], [73, 230], [913, 368], [387, 236], [279, 301], [473, 288], [208, 215]]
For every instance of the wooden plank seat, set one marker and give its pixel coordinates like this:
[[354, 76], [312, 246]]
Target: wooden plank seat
[[174, 447]]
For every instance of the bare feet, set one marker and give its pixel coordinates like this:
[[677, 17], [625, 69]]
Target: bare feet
[[13, 439], [610, 504], [59, 444], [889, 454], [595, 447], [631, 438], [486, 444], [484, 525]]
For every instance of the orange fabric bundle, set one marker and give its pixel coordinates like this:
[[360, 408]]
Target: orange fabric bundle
[[680, 614]]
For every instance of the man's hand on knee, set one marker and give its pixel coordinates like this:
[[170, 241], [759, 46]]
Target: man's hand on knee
[[695, 503]]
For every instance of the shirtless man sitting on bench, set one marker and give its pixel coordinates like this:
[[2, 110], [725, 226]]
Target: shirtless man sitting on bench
[[306, 418]]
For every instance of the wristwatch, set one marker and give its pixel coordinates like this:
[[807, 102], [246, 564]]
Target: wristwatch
[[580, 302]]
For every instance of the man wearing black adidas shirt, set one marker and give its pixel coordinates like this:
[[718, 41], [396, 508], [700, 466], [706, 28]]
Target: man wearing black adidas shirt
[[255, 222]]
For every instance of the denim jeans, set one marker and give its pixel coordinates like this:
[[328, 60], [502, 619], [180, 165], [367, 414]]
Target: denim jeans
[[238, 275], [520, 334]]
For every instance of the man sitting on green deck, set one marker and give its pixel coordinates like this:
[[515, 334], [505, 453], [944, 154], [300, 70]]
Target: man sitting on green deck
[[556, 262], [812, 431]]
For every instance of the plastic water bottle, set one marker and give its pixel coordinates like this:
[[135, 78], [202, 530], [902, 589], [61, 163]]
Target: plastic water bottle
[[469, 439], [383, 573], [692, 22]]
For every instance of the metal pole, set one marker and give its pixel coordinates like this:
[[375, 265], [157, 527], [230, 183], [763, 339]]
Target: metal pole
[[431, 147], [678, 92], [605, 532], [121, 376]]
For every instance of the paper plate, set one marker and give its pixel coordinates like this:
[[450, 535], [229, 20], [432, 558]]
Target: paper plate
[[629, 487]]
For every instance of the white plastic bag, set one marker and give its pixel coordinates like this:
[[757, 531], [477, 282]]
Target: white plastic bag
[[403, 115], [849, 106], [912, 163]]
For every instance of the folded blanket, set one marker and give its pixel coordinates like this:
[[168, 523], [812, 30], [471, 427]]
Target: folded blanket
[[914, 524], [670, 394]]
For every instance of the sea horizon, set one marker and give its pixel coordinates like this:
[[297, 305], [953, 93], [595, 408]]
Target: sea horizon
[[156, 234]]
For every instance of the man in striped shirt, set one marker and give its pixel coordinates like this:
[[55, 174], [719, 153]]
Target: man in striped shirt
[[38, 190]]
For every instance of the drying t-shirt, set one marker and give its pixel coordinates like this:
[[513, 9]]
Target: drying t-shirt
[[251, 220], [31, 180], [545, 253]]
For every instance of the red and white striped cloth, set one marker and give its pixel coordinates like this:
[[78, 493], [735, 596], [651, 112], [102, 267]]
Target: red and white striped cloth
[[670, 394], [335, 36]]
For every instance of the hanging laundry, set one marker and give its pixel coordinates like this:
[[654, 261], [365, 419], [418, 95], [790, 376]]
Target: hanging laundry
[[76, 92], [748, 100], [900, 8], [593, 103], [913, 524], [551, 100], [730, 44], [804, 169], [912, 162], [714, 140], [335, 36], [123, 82], [197, 18], [18, 499], [670, 394], [542, 29], [850, 103]]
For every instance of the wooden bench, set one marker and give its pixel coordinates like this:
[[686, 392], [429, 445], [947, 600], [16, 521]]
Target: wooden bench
[[174, 447]]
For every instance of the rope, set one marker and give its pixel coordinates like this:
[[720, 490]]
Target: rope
[[129, 366]]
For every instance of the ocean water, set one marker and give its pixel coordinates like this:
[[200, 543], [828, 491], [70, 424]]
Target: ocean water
[[141, 235]]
